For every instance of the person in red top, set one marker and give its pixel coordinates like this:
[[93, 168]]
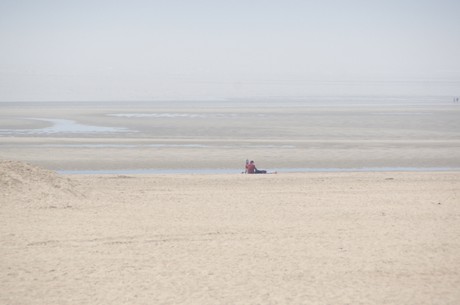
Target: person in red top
[[251, 169]]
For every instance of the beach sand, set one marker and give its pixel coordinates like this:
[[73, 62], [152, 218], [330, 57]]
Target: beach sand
[[308, 238]]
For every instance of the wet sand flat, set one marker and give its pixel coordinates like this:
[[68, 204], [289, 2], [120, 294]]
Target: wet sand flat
[[311, 133]]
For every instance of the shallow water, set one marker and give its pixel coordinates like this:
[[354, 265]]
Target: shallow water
[[149, 146], [62, 126], [275, 170]]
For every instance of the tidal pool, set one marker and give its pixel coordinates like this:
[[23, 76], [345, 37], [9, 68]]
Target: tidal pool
[[62, 126]]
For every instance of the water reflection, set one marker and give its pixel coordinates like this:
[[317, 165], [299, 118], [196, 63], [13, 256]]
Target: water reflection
[[101, 145], [63, 126], [237, 171]]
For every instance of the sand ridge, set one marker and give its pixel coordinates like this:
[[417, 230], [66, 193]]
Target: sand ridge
[[23, 184]]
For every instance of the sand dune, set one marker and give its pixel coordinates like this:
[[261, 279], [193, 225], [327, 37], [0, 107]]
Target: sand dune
[[330, 238], [23, 184]]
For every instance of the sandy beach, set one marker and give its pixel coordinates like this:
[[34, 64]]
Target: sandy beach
[[311, 238], [128, 130], [352, 234]]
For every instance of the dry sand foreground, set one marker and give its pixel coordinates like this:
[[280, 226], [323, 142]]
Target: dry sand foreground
[[330, 238]]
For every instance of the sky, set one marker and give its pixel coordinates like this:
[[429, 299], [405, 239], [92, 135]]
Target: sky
[[98, 50]]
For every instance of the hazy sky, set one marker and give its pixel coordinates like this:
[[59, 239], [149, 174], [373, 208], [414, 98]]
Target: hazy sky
[[143, 50]]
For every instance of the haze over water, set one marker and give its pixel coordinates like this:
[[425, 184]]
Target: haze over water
[[148, 50]]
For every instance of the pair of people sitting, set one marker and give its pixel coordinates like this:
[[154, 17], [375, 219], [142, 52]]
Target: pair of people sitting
[[252, 169]]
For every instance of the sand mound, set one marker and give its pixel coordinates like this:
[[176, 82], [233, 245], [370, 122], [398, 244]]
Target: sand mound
[[23, 184]]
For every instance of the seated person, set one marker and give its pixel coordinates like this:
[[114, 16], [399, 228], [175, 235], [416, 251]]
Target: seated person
[[251, 169]]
